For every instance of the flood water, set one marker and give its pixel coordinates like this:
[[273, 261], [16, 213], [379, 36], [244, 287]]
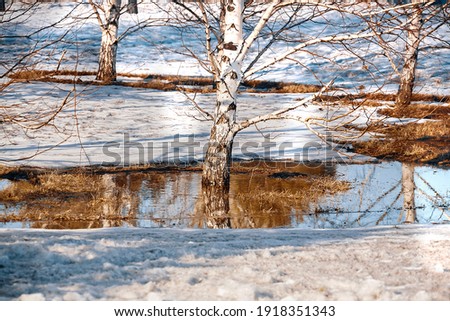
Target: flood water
[[374, 194]]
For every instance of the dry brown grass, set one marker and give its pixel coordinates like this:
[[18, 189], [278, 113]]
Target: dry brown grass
[[54, 200], [329, 185], [50, 185], [259, 200], [418, 131], [416, 110], [155, 84], [372, 103], [35, 74], [279, 87], [419, 111], [4, 170], [193, 84], [270, 167], [427, 142], [49, 76], [382, 97], [181, 80], [266, 167]]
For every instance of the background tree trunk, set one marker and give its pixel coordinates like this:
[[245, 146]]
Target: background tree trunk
[[132, 7], [408, 187], [2, 5], [408, 72], [108, 50], [217, 163]]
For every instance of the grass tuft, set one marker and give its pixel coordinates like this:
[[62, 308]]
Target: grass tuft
[[427, 142], [194, 84]]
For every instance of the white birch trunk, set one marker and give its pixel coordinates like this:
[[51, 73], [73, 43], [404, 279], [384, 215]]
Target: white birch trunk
[[408, 73], [216, 168], [408, 188], [108, 50]]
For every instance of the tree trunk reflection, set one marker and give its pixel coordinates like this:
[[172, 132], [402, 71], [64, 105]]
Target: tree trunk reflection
[[408, 188]]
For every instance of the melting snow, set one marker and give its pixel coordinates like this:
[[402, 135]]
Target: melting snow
[[383, 263]]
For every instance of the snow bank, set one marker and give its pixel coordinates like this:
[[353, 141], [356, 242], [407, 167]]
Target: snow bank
[[383, 263]]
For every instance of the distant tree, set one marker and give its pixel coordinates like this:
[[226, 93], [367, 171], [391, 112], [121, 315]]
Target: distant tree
[[108, 14], [132, 6], [417, 21], [408, 71]]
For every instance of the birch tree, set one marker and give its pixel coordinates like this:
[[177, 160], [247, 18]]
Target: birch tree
[[416, 31], [108, 13], [109, 25], [420, 20], [228, 47], [408, 72]]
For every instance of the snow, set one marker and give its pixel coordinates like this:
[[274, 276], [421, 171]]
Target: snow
[[383, 263], [122, 125]]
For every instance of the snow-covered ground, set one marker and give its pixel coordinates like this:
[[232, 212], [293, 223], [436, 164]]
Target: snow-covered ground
[[122, 125], [384, 263]]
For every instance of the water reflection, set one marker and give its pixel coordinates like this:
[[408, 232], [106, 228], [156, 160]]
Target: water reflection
[[262, 200], [409, 195], [387, 193]]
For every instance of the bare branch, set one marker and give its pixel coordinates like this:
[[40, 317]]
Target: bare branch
[[262, 22], [212, 59], [327, 39], [204, 113], [96, 7], [279, 114]]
